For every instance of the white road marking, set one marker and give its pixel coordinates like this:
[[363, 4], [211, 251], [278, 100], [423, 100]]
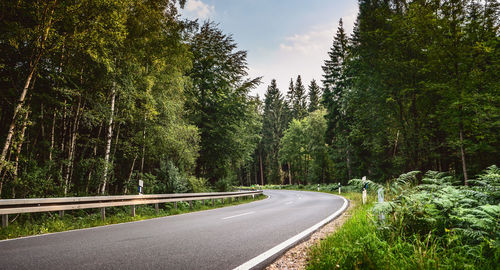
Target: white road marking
[[289, 203], [244, 214], [271, 252]]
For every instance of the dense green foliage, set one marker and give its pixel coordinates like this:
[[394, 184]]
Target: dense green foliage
[[414, 87], [219, 104], [435, 225], [303, 149], [417, 89], [99, 94]]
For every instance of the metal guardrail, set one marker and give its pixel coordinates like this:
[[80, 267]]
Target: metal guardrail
[[18, 206]]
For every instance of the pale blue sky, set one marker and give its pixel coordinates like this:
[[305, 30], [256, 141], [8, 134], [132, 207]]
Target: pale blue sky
[[283, 38]]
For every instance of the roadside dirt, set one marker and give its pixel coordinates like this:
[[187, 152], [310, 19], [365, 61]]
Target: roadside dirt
[[296, 257]]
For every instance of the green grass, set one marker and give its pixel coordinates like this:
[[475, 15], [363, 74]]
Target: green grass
[[40, 223]]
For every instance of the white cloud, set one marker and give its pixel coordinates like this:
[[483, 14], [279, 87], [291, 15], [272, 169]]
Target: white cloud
[[308, 43], [318, 38], [198, 10], [301, 53]]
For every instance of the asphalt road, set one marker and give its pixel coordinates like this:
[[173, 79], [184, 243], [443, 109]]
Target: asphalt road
[[222, 238]]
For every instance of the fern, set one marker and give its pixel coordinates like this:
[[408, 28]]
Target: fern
[[359, 184], [466, 218]]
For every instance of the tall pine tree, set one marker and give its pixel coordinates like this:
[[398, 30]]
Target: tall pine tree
[[274, 124], [314, 96]]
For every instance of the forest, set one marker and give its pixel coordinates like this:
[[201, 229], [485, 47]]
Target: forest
[[97, 95]]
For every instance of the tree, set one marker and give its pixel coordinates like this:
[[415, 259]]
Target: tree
[[299, 108], [218, 100], [274, 123], [336, 87], [314, 96], [303, 147]]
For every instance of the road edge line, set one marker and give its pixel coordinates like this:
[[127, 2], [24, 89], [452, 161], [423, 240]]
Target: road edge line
[[287, 244]]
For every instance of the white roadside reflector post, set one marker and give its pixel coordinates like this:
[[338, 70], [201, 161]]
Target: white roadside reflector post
[[380, 200], [140, 187], [365, 186]]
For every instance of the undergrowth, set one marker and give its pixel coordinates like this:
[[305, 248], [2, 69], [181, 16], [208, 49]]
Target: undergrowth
[[40, 223], [434, 223], [431, 221]]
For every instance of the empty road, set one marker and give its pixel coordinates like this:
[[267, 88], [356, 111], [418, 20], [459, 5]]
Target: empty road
[[223, 238]]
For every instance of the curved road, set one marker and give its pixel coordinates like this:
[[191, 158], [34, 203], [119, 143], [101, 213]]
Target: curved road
[[222, 238]]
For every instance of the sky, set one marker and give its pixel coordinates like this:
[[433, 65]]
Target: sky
[[283, 38]]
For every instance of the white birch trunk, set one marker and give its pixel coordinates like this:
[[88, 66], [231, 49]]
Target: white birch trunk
[[109, 137]]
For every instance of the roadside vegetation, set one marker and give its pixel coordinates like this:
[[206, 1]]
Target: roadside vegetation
[[430, 222], [41, 223]]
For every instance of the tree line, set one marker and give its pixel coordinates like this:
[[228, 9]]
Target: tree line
[[414, 87], [99, 94]]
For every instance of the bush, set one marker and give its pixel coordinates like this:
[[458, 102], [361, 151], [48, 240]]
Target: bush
[[198, 185], [225, 184]]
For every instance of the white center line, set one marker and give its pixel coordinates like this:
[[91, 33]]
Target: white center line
[[248, 213]]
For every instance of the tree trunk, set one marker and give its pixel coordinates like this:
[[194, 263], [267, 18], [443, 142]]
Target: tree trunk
[[289, 173], [52, 136], [256, 174], [130, 174], [112, 157], [33, 65], [395, 145], [348, 163], [20, 145], [143, 146], [42, 126], [71, 149], [464, 167], [4, 174], [94, 156], [12, 125], [109, 137], [63, 136], [261, 170], [282, 175], [116, 140]]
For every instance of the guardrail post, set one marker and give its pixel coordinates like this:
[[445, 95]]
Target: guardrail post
[[5, 221], [157, 208], [61, 213], [213, 202], [190, 204], [203, 202], [175, 205], [133, 210], [253, 196], [103, 214], [222, 200]]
